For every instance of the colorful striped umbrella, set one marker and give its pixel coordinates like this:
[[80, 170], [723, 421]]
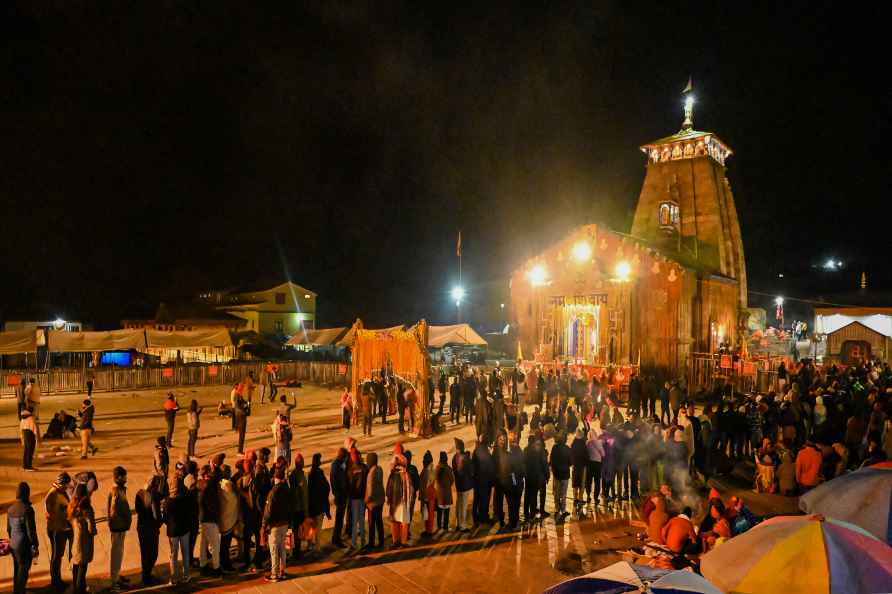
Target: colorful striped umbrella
[[801, 555], [626, 577], [862, 498]]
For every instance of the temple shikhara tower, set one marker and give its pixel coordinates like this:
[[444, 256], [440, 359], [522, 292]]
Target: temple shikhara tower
[[673, 287]]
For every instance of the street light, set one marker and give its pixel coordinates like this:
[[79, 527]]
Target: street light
[[778, 301], [623, 271], [458, 293], [582, 251], [538, 275]]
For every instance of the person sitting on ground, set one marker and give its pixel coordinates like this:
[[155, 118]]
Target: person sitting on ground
[[678, 533], [739, 516], [657, 517], [808, 466], [720, 530]]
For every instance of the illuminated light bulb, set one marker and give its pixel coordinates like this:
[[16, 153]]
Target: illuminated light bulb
[[582, 251]]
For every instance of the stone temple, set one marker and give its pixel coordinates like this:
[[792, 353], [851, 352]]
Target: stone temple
[[673, 287]]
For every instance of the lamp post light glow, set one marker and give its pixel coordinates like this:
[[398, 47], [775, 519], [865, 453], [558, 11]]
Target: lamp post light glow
[[458, 293], [538, 275], [59, 323], [778, 301], [623, 271], [582, 251]]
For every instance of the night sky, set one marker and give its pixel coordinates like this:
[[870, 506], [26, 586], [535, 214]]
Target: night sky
[[154, 149]]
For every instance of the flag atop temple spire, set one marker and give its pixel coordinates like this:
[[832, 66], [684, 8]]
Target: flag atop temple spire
[[689, 87]]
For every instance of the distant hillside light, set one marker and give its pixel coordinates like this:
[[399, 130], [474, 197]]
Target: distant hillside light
[[582, 251]]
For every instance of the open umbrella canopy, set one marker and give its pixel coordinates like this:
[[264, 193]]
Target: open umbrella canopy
[[801, 554], [627, 577], [862, 498]]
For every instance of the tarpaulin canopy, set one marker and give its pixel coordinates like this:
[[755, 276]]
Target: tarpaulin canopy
[[348, 338], [320, 337], [441, 336], [18, 341], [187, 339], [60, 341]]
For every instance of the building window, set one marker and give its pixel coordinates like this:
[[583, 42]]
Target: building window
[[280, 298], [279, 326], [669, 215]]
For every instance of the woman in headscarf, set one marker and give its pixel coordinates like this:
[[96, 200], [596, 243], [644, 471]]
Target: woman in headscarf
[[398, 497], [83, 524], [22, 530]]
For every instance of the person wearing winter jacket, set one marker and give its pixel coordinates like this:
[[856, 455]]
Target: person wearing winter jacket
[[503, 476], [171, 406], [229, 514], [484, 478], [193, 421], [119, 521], [178, 511], [161, 457], [428, 493], [559, 462], [209, 521], [317, 498], [23, 542], [357, 476], [398, 494], [414, 487], [444, 480], [463, 471], [337, 476], [297, 485], [275, 523], [536, 467], [374, 501], [579, 464], [57, 526], [148, 526], [83, 523], [515, 487]]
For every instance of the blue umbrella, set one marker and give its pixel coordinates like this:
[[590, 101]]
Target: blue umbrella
[[626, 577]]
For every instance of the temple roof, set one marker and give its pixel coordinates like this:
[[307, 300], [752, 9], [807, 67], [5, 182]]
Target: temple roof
[[686, 135]]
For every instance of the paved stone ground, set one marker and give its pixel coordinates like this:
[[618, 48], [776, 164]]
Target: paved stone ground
[[127, 425]]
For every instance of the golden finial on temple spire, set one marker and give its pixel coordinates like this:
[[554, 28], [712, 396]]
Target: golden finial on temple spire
[[688, 123]]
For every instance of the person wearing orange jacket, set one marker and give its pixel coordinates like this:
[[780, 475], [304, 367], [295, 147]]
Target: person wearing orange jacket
[[808, 466]]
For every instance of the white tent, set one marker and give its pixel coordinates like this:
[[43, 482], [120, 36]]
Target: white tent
[[186, 339], [347, 340], [59, 341], [320, 337], [18, 341], [458, 334]]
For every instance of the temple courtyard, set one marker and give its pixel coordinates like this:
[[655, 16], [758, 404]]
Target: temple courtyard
[[484, 560]]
